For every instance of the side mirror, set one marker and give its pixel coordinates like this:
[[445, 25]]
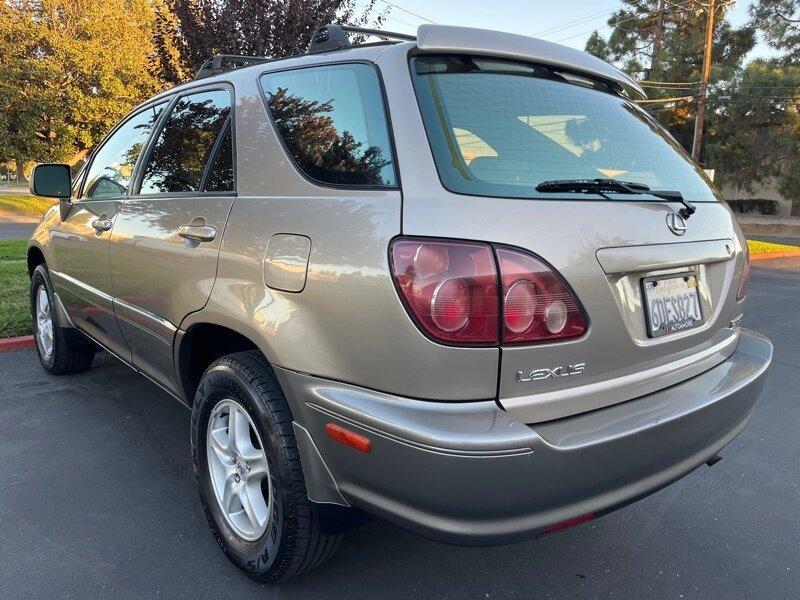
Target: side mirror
[[52, 180]]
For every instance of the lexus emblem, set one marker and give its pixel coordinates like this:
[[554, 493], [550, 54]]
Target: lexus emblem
[[676, 223]]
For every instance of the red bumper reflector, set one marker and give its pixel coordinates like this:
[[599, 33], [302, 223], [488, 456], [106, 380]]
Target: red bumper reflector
[[567, 524], [348, 438]]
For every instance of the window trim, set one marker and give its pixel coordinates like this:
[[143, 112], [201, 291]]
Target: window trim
[[389, 128], [133, 192], [167, 101]]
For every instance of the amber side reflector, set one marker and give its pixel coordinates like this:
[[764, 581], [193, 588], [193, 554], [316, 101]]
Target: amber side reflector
[[348, 438], [567, 524]]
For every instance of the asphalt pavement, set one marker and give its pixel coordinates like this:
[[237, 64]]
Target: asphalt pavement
[[15, 230], [98, 500]]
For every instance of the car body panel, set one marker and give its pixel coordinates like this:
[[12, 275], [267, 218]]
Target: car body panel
[[472, 474], [341, 324], [82, 279], [469, 40], [568, 233], [160, 277]]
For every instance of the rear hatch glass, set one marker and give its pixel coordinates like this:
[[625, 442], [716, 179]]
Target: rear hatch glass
[[500, 128]]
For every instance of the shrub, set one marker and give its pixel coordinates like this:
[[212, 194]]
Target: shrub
[[758, 206]]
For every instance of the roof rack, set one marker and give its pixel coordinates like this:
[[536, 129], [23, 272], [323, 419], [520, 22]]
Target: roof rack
[[325, 39], [227, 62], [334, 37]]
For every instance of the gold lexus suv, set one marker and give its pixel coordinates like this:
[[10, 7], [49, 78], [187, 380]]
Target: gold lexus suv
[[459, 281]]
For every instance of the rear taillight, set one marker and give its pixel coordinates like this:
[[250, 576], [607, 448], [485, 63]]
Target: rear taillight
[[453, 291], [537, 305], [450, 288], [742, 291]]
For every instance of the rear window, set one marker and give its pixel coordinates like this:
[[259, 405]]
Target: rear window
[[500, 128], [333, 124]]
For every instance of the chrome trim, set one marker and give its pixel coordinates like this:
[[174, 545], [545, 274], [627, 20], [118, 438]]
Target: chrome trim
[[159, 321], [80, 285]]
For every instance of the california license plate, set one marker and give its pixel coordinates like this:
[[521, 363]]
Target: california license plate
[[672, 303]]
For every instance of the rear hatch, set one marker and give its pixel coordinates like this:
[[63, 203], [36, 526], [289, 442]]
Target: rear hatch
[[496, 130]]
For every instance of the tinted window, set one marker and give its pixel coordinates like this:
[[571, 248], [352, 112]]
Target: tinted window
[[112, 165], [500, 128], [333, 123], [220, 171], [179, 156]]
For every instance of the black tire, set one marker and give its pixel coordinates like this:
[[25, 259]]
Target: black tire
[[71, 353], [293, 542]]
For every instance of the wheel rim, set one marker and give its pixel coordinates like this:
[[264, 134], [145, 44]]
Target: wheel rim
[[44, 323], [239, 470]]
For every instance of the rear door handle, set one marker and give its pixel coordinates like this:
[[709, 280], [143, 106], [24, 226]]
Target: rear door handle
[[203, 233], [102, 224]]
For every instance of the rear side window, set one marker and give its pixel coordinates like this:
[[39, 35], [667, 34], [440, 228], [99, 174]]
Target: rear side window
[[220, 170], [112, 166], [333, 123], [187, 143]]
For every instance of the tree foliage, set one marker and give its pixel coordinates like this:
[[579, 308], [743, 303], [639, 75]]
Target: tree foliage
[[72, 68], [754, 131], [753, 128], [273, 28], [661, 41], [779, 22]]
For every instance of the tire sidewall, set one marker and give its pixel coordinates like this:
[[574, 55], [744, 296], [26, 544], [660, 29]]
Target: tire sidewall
[[259, 556], [39, 278]]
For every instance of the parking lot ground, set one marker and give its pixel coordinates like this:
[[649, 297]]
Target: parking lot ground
[[98, 500]]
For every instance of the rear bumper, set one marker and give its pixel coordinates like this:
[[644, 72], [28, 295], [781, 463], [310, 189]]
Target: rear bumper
[[468, 473]]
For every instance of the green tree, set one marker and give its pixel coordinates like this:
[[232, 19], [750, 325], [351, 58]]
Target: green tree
[[779, 22], [754, 129], [72, 68], [664, 41]]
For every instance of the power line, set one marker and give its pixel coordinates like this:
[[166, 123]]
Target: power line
[[616, 23], [662, 100], [569, 24], [413, 14]]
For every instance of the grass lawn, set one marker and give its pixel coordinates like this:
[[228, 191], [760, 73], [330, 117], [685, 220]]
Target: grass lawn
[[15, 316], [23, 205], [757, 247]]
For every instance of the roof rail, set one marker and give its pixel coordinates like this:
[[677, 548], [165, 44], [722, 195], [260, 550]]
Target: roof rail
[[221, 63], [334, 37]]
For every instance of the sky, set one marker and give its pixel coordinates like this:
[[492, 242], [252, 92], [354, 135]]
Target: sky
[[569, 22]]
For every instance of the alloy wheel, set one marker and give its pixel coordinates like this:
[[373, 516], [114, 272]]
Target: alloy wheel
[[44, 323], [239, 470]]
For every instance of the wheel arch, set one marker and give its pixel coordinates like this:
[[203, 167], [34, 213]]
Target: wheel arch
[[35, 257], [199, 345]]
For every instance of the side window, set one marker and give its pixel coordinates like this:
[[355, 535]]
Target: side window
[[333, 123], [112, 166], [220, 170], [178, 160]]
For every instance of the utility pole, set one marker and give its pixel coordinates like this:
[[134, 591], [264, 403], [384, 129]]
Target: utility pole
[[658, 38], [702, 101]]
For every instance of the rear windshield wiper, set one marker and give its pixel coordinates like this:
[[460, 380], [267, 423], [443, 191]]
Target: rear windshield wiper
[[602, 186]]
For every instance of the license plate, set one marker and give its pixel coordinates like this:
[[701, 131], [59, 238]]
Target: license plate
[[672, 303]]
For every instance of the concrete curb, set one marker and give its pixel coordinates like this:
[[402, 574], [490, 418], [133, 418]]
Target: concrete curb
[[766, 255], [17, 343]]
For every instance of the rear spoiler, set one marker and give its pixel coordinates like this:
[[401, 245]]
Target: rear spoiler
[[445, 38]]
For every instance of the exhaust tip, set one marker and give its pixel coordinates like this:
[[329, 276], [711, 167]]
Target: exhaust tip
[[713, 460]]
